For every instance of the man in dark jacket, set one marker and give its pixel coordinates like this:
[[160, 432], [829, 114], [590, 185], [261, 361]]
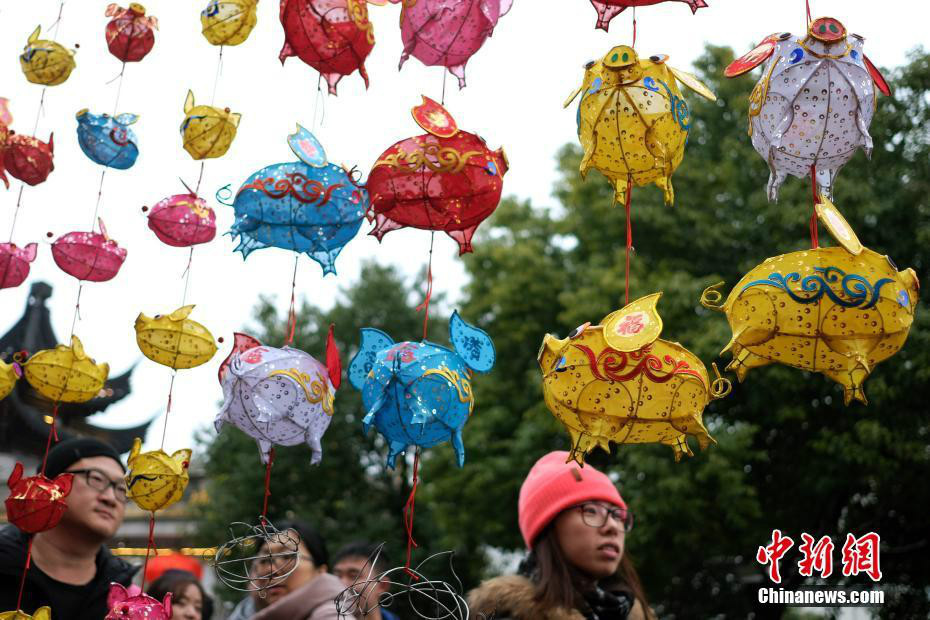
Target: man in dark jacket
[[71, 568]]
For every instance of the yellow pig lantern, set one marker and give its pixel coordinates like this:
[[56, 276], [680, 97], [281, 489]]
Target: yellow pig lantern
[[174, 340], [207, 132], [228, 22], [42, 613], [66, 374], [156, 479], [633, 122], [9, 375], [838, 311], [46, 62], [619, 382]]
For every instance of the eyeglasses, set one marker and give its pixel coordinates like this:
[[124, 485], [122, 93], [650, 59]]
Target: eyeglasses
[[268, 565], [99, 481], [595, 515]]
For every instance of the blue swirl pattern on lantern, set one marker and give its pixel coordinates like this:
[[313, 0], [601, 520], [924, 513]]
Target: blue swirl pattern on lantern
[[298, 207], [860, 292], [106, 140], [419, 393]]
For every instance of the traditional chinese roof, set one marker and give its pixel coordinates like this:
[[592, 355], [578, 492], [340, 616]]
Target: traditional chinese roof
[[24, 413]]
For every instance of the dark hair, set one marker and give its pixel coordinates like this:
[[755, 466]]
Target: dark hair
[[176, 582], [363, 549], [311, 539], [559, 584]]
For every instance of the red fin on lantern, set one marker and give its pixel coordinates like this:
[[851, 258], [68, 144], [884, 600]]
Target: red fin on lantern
[[752, 59], [877, 77], [241, 342], [16, 475], [333, 361], [434, 118]]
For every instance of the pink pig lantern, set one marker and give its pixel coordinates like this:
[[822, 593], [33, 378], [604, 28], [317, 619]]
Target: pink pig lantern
[[446, 33], [608, 9], [182, 220], [128, 605], [332, 36], [14, 263], [89, 256]]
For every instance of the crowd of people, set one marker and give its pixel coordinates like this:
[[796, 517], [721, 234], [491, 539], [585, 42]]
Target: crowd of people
[[573, 521]]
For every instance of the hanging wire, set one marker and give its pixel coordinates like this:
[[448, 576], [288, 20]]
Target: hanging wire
[[629, 236], [815, 242], [216, 79], [634, 28], [424, 307], [408, 515]]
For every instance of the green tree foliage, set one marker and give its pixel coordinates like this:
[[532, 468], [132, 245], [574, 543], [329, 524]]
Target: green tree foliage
[[789, 455]]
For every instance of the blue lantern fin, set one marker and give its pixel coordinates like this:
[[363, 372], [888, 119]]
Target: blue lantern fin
[[396, 449], [420, 411], [369, 418], [459, 446], [373, 340], [473, 344], [307, 148], [126, 118]]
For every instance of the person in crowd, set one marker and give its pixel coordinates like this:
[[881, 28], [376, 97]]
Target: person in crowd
[[188, 599], [71, 568], [307, 593], [574, 522], [356, 564]]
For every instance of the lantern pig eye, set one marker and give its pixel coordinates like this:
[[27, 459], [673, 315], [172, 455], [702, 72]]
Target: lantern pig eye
[[589, 64], [491, 168], [560, 365], [578, 330]]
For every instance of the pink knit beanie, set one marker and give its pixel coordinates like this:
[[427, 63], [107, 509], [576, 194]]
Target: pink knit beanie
[[554, 485]]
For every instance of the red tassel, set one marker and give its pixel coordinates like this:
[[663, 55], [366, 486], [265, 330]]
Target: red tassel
[[333, 362], [408, 515], [22, 581], [815, 242], [629, 236], [429, 287], [267, 485]]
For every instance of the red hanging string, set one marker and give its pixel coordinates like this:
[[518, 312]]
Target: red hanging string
[[408, 515], [149, 546], [429, 287], [267, 485], [808, 2], [634, 28], [22, 581], [52, 434], [292, 311], [629, 236], [815, 243]]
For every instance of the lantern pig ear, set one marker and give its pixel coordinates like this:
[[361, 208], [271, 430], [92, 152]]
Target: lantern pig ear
[[241, 342], [35, 34], [473, 344], [373, 340], [64, 482], [117, 594], [756, 56], [127, 118], [877, 77], [189, 102], [42, 613], [333, 361], [136, 449], [16, 475]]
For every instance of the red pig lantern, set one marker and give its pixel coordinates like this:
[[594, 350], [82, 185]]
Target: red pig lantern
[[29, 159], [89, 256], [14, 263], [130, 33], [445, 180], [332, 36], [36, 503]]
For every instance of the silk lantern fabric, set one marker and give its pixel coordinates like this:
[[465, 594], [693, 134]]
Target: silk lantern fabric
[[156, 479], [36, 503], [130, 32], [66, 373], [174, 340]]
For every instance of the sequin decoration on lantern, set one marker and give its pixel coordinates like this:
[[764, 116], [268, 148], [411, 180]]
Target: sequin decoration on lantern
[[608, 9], [207, 132], [419, 393], [279, 396], [130, 33], [309, 206], [445, 180], [9, 375], [619, 382], [173, 340], [42, 613], [36, 503], [447, 34], [838, 311], [29, 159], [66, 373], [89, 256], [633, 122], [14, 263], [107, 140], [812, 108], [228, 22], [332, 36], [156, 479], [46, 62], [126, 606], [183, 220]]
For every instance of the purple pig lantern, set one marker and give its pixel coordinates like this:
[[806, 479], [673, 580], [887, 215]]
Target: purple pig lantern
[[279, 396], [446, 33], [608, 9]]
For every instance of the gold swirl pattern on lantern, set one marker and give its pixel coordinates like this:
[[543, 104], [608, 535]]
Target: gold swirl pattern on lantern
[[434, 157], [462, 385], [297, 185], [315, 391], [358, 12]]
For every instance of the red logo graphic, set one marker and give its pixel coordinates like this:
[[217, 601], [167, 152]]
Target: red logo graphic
[[773, 552]]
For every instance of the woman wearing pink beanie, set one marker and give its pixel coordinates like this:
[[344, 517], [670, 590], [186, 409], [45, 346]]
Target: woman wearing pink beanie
[[574, 523]]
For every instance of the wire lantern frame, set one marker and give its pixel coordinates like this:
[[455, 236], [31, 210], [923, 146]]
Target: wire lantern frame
[[236, 560]]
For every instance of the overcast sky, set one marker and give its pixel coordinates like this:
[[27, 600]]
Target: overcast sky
[[516, 85]]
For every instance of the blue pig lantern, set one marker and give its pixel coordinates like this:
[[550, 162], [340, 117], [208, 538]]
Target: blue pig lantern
[[108, 140], [309, 206], [419, 393]]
